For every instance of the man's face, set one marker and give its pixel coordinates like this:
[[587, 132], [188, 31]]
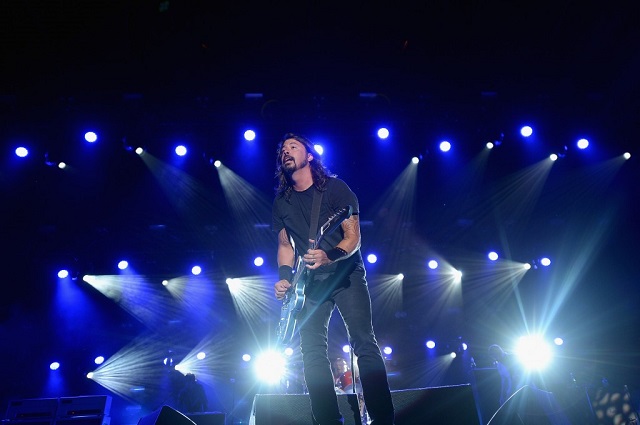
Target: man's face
[[294, 155]]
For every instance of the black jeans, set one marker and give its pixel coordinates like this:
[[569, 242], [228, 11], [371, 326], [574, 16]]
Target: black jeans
[[351, 295]]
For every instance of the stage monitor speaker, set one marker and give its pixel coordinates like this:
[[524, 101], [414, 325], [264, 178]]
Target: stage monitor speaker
[[165, 416], [295, 409], [436, 405], [90, 405], [207, 418], [35, 410], [530, 406]]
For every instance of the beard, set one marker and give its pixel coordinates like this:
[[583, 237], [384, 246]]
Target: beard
[[290, 166]]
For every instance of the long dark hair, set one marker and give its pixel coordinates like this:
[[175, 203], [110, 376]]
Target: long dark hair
[[319, 172]]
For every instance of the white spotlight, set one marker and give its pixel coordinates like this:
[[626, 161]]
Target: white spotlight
[[558, 341], [533, 352], [493, 256], [62, 274], [22, 152], [553, 157], [90, 136], [246, 357], [270, 367], [453, 355], [196, 270], [545, 261], [181, 150], [627, 155], [526, 131], [582, 144], [445, 146], [123, 265], [400, 276], [489, 145], [258, 261], [346, 348], [249, 135], [432, 264], [415, 160], [98, 360], [383, 133], [201, 355], [54, 366], [217, 163], [62, 165], [431, 344], [319, 149], [527, 266], [372, 258], [139, 151]]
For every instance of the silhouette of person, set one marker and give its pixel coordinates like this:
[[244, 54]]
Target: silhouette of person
[[504, 363], [192, 397]]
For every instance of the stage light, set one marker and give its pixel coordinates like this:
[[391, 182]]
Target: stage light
[[415, 160], [217, 163], [98, 360], [90, 375], [445, 146], [582, 144], [122, 265], [270, 367], [54, 366], [201, 355], [51, 163], [627, 155], [383, 133], [258, 261], [234, 285], [22, 152], [90, 136], [453, 355], [527, 266], [196, 270], [288, 351], [493, 256], [346, 348], [62, 274], [165, 282], [319, 149], [464, 346], [526, 131], [545, 261], [387, 350], [430, 344], [139, 151], [533, 352], [558, 341], [489, 145], [181, 150], [372, 258], [458, 275], [400, 276], [246, 357], [249, 135], [432, 264], [553, 157]]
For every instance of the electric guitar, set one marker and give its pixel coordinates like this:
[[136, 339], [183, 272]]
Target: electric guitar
[[294, 297]]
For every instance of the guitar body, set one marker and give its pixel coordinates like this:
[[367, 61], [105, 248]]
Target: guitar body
[[294, 298], [292, 304]]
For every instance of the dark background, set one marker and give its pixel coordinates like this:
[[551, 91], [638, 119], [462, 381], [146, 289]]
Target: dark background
[[154, 73]]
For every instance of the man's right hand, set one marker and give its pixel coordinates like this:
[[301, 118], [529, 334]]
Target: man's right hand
[[281, 287]]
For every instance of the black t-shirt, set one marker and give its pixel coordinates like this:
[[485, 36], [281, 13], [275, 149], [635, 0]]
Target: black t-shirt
[[294, 214]]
